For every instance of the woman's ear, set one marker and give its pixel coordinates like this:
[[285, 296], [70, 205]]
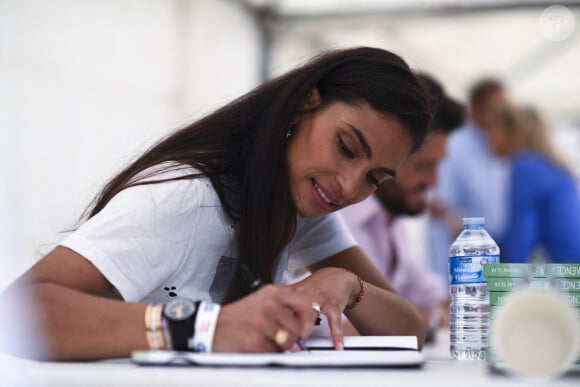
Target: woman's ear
[[312, 99], [311, 102]]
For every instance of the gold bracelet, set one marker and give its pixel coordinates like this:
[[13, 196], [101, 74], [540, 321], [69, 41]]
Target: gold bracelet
[[148, 316], [153, 315], [156, 314], [360, 294], [154, 328], [155, 340]]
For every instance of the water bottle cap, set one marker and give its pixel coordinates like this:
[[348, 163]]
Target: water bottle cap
[[473, 221]]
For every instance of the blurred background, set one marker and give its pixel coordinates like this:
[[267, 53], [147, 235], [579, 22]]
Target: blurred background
[[86, 85]]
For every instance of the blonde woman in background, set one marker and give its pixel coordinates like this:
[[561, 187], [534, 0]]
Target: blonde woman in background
[[544, 200]]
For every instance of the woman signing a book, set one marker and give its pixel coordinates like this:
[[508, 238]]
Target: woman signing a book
[[157, 263]]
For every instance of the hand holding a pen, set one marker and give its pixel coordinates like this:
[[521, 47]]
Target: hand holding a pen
[[271, 319]]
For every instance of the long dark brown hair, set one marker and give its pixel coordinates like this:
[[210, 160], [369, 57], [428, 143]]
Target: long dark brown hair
[[241, 147]]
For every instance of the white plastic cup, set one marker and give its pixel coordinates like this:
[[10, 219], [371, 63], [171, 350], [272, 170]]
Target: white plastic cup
[[536, 334]]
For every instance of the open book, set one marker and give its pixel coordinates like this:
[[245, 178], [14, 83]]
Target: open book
[[360, 351]]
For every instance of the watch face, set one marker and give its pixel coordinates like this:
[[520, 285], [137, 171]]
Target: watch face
[[179, 309]]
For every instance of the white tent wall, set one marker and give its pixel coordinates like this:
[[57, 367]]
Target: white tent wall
[[86, 85]]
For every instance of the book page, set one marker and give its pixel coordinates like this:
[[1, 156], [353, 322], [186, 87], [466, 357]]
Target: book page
[[366, 342]]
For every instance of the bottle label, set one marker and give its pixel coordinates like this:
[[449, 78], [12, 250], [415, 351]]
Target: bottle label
[[469, 269]]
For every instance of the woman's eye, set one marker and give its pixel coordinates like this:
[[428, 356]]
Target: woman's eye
[[373, 180], [344, 150]]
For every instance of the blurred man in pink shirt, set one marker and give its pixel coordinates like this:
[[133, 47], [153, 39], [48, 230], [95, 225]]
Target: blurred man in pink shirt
[[376, 222]]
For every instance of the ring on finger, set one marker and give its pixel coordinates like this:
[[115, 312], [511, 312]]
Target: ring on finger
[[281, 337], [316, 307]]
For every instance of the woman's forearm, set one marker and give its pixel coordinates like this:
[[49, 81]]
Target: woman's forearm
[[52, 322], [384, 312]]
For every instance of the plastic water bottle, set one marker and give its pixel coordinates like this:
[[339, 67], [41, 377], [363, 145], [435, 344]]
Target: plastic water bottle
[[469, 309]]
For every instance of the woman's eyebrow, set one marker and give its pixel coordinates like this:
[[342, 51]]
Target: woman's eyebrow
[[363, 142], [367, 149]]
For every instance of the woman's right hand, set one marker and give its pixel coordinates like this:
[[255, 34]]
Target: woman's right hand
[[255, 322]]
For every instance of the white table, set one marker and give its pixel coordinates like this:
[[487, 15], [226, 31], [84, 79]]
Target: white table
[[439, 370]]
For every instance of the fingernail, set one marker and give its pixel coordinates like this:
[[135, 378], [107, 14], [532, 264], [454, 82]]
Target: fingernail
[[340, 346]]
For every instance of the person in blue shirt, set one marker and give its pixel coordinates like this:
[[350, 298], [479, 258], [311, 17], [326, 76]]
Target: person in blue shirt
[[544, 199]]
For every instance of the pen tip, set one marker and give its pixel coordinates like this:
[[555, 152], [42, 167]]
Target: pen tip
[[301, 344]]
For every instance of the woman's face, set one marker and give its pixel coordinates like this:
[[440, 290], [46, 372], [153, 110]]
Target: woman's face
[[338, 155], [500, 140]]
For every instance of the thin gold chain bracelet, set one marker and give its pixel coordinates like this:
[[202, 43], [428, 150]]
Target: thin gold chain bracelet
[[360, 294]]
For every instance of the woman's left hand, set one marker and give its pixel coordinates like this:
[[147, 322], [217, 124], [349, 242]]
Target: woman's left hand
[[332, 289]]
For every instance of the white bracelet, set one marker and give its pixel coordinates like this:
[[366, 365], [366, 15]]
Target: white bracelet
[[205, 324]]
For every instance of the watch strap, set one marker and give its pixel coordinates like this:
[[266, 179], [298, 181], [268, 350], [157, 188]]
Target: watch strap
[[182, 331]]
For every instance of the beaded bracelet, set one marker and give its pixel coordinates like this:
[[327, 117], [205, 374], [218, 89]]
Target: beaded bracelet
[[360, 294], [155, 340], [153, 316], [153, 327]]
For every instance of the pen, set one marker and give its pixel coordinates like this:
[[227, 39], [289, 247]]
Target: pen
[[256, 283]]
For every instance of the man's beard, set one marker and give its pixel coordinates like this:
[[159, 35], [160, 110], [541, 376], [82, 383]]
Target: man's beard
[[396, 204], [399, 207]]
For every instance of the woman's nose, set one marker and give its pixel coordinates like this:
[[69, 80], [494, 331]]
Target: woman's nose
[[350, 184]]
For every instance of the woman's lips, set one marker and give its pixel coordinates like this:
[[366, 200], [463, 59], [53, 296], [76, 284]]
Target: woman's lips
[[322, 198]]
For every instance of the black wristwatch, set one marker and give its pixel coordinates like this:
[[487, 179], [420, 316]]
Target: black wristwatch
[[180, 314]]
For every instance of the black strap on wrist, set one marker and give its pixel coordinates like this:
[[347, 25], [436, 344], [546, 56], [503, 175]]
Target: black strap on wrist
[[182, 331]]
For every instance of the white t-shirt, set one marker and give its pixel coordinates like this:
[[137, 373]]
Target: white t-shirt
[[157, 241]]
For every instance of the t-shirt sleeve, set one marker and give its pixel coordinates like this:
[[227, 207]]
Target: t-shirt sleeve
[[317, 239], [141, 236]]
